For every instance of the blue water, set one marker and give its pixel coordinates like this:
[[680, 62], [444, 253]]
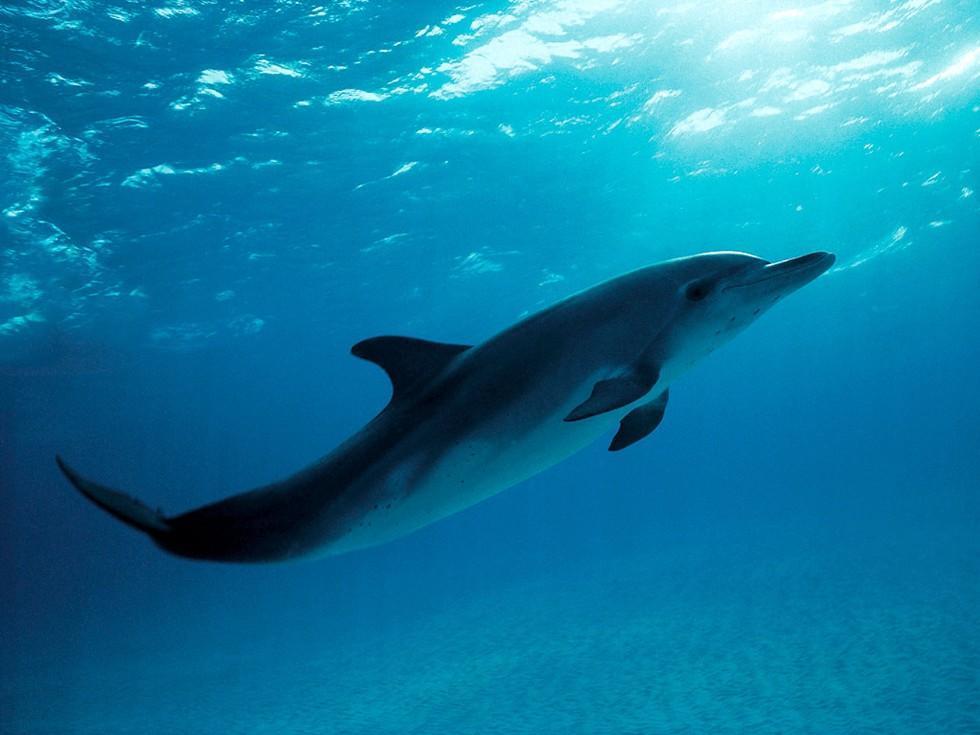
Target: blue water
[[204, 204]]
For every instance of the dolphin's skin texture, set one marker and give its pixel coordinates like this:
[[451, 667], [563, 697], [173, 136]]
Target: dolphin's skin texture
[[466, 422]]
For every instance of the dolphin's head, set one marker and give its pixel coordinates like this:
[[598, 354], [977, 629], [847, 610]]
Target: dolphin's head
[[719, 294]]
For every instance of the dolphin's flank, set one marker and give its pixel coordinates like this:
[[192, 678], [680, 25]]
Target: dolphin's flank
[[465, 422]]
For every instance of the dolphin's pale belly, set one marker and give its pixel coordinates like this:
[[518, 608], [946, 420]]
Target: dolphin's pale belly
[[473, 469]]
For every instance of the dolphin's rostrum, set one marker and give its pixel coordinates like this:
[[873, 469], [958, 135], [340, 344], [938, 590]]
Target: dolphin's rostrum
[[465, 422]]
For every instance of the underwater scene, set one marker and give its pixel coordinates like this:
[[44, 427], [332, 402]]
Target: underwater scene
[[207, 206]]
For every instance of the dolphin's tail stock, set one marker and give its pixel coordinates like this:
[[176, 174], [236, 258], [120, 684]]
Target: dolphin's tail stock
[[254, 526], [127, 509]]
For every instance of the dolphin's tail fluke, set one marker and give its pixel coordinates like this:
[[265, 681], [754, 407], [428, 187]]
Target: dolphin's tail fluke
[[127, 509]]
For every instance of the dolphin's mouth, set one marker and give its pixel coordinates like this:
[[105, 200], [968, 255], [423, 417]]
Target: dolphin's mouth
[[789, 274]]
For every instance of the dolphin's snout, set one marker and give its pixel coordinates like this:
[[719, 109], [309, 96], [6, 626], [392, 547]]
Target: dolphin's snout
[[795, 273], [786, 275], [819, 259]]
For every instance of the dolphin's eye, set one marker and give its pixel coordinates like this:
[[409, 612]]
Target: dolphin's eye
[[697, 290]]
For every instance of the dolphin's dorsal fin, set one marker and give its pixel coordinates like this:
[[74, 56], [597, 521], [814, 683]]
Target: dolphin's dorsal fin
[[409, 362], [639, 422]]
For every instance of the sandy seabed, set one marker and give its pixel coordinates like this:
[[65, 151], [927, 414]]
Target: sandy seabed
[[691, 640]]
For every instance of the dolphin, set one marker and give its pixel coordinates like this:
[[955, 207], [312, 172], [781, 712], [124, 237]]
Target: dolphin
[[465, 422]]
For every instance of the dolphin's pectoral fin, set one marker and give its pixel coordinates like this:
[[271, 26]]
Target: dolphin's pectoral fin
[[639, 422], [608, 395], [409, 362], [127, 509]]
